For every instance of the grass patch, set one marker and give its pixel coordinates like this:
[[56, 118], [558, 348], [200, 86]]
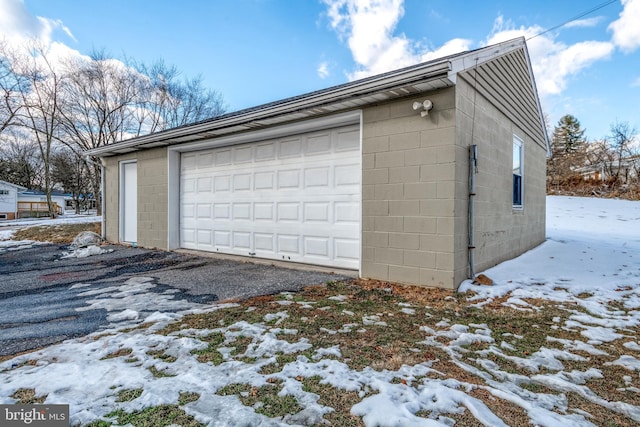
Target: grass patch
[[385, 326], [282, 360], [118, 353], [129, 394], [99, 423], [158, 373], [340, 400], [27, 396], [187, 397], [157, 416], [61, 233], [161, 355], [264, 400]]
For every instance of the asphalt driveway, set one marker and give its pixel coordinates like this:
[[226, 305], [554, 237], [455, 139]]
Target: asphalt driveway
[[45, 298]]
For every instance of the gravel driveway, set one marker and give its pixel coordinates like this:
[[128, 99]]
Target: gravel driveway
[[46, 299]]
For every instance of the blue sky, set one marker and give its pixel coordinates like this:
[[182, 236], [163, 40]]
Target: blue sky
[[256, 51]]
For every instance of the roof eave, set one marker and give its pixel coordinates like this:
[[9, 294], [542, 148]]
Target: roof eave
[[339, 98]]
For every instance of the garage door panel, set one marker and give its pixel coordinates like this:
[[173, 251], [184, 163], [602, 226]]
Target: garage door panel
[[242, 155], [204, 237], [317, 212], [348, 140], [264, 242], [265, 151], [242, 182], [347, 249], [296, 198], [188, 237], [221, 211], [290, 148], [188, 162], [205, 160], [242, 212], [288, 243], [316, 177], [289, 179], [346, 212], [347, 175], [222, 239], [221, 183], [242, 240], [203, 210], [318, 144], [288, 212], [316, 246], [264, 180], [223, 157], [264, 211]]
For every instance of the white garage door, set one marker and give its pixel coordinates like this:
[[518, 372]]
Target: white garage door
[[295, 198]]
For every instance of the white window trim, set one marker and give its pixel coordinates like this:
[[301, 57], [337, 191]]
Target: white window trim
[[520, 143]]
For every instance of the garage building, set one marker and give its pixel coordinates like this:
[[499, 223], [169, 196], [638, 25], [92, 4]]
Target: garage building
[[422, 175]]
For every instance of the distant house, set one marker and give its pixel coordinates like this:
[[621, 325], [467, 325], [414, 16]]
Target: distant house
[[373, 175], [626, 169], [34, 203], [9, 200]]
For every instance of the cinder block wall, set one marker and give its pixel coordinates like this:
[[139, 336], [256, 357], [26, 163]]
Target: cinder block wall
[[501, 231], [152, 197], [409, 181]]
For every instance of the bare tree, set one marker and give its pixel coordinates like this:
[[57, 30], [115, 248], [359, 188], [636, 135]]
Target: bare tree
[[39, 97], [100, 99], [20, 162], [171, 102], [11, 84], [621, 140], [71, 172]]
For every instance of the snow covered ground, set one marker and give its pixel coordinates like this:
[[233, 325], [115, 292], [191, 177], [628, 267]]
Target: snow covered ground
[[8, 228], [590, 266], [63, 219]]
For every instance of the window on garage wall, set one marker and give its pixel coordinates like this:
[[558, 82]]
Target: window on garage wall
[[518, 175]]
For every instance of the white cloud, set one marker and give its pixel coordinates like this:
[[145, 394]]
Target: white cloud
[[636, 82], [368, 27], [323, 70], [582, 23], [17, 25], [449, 48], [626, 30], [553, 62]]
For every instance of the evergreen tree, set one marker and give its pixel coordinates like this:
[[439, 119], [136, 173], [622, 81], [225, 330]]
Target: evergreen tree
[[567, 149]]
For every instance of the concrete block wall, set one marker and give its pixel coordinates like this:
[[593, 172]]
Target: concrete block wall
[[152, 197], [501, 231], [409, 182]]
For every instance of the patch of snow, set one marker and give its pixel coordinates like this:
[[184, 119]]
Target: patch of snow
[[85, 252]]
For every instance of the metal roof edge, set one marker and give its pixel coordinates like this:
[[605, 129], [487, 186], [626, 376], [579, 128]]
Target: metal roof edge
[[424, 71], [445, 67], [16, 186]]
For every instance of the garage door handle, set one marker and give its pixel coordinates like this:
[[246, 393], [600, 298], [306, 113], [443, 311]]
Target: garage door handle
[[252, 253]]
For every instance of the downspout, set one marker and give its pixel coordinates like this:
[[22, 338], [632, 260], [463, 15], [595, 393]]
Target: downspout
[[103, 231], [473, 170]]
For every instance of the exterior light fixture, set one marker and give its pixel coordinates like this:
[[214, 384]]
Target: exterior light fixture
[[425, 106]]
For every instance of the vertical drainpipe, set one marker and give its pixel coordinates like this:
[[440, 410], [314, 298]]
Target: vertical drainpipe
[[103, 232], [473, 169]]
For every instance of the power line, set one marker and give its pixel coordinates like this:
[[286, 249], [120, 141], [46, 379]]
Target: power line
[[575, 18]]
